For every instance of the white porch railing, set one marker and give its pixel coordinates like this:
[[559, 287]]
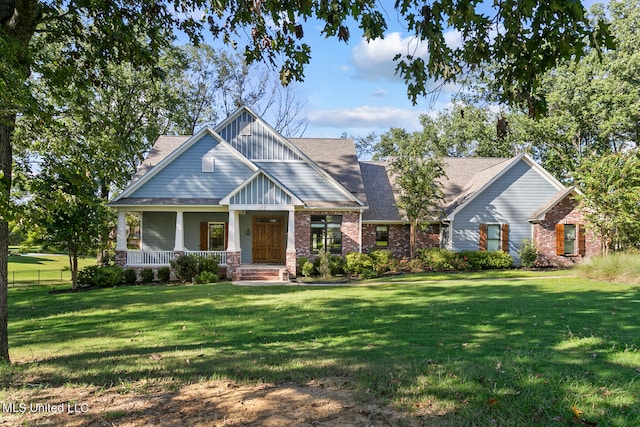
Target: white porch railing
[[137, 258], [149, 257], [222, 255]]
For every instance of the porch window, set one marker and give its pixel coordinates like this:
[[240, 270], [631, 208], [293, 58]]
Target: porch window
[[382, 236], [217, 236], [326, 234]]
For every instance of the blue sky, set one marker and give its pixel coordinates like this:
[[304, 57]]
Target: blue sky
[[351, 87]]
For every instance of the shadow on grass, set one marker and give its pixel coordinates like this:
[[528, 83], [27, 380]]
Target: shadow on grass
[[24, 259], [536, 351]]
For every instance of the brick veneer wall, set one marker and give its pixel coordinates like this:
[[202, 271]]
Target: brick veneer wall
[[399, 238], [544, 234], [350, 231]]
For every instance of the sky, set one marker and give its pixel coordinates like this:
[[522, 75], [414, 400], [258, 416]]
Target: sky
[[352, 87]]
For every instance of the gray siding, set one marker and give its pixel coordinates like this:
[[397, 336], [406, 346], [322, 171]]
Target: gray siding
[[511, 199], [192, 222], [303, 181], [260, 144], [158, 231], [183, 178]]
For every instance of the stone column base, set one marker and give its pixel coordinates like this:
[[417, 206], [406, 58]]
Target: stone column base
[[121, 258], [234, 261], [291, 263]]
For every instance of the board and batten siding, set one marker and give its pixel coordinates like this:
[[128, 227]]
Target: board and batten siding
[[183, 177], [255, 141], [261, 191], [511, 199]]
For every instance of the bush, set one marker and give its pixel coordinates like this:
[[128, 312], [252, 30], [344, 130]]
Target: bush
[[308, 269], [528, 254], [185, 267], [499, 260], [208, 264], [300, 262], [146, 275], [356, 263], [383, 261], [100, 276], [206, 277], [437, 259], [130, 277], [323, 264], [336, 265], [164, 274]]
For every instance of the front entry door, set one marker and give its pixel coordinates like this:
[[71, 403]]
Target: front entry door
[[268, 240]]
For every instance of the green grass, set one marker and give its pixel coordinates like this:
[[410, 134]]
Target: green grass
[[42, 269], [488, 351]]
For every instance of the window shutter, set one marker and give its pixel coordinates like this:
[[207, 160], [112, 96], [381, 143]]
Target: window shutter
[[504, 236], [560, 239], [204, 236], [483, 236], [581, 239]]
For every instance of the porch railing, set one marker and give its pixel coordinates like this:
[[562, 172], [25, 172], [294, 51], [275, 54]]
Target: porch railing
[[136, 258], [222, 255], [149, 257]]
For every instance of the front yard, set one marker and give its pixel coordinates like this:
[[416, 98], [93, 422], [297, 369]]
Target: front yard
[[465, 349]]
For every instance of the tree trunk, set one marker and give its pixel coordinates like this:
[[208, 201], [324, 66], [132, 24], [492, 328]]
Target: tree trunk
[[7, 124], [412, 239]]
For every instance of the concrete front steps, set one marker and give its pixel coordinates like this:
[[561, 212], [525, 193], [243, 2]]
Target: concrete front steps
[[263, 272]]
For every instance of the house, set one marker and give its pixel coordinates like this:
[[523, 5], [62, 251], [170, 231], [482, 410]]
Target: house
[[253, 198]]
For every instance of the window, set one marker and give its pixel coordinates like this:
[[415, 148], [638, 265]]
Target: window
[[326, 234], [217, 236], [494, 237], [208, 163], [570, 239], [382, 236]]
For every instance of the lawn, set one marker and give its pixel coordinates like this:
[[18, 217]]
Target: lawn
[[42, 269], [453, 349]]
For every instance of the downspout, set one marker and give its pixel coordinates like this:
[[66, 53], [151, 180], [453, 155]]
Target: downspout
[[360, 242]]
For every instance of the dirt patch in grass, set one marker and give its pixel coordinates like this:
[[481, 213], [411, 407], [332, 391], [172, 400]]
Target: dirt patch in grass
[[213, 403]]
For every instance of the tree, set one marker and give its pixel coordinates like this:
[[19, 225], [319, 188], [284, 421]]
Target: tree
[[417, 174], [67, 209], [530, 37], [610, 198]]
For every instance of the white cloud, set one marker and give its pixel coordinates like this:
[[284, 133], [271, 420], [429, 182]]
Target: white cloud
[[373, 60], [366, 117], [379, 93]]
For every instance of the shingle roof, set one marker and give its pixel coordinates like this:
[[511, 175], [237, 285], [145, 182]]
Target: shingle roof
[[380, 193]]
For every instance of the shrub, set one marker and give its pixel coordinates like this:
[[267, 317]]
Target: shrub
[[185, 267], [164, 274], [437, 259], [499, 260], [129, 275], [208, 264], [336, 265], [100, 276], [300, 262], [146, 275], [323, 264], [382, 260], [356, 263], [206, 277], [308, 269], [528, 254]]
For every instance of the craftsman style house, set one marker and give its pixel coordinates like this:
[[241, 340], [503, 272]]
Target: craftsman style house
[[245, 193]]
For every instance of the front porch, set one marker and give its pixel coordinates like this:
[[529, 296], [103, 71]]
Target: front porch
[[237, 237]]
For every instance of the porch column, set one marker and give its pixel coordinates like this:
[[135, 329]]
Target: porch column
[[121, 240], [179, 246], [234, 258], [291, 255]]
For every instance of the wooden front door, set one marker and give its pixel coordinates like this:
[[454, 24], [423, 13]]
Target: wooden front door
[[268, 240]]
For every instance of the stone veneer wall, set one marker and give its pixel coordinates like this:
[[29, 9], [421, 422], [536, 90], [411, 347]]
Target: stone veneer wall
[[544, 235], [399, 238], [350, 231]]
